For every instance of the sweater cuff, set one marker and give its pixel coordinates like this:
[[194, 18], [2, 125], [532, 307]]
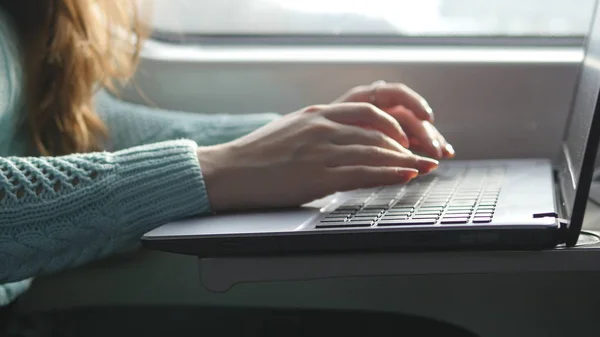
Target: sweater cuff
[[158, 183]]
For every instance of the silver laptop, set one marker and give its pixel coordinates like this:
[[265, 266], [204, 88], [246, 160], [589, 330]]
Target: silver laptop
[[496, 204]]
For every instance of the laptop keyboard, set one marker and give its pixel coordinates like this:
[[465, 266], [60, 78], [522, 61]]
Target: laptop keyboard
[[466, 196]]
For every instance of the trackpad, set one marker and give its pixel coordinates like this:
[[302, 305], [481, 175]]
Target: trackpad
[[246, 222]]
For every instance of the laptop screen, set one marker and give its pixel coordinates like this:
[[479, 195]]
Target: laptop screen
[[581, 139]]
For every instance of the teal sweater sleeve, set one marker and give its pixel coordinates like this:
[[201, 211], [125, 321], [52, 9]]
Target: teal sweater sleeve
[[60, 212], [134, 124]]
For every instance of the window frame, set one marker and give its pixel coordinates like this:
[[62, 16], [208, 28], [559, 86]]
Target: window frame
[[366, 40]]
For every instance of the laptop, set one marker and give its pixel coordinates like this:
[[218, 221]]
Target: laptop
[[523, 204]]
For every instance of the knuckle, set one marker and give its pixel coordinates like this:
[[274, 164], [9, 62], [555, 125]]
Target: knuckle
[[403, 87], [315, 108], [366, 107], [357, 89], [321, 127]]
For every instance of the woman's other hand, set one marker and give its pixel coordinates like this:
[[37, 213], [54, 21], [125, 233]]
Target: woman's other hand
[[310, 154], [410, 109]]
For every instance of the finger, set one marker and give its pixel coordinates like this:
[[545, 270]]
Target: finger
[[367, 116], [362, 155], [395, 94], [447, 149], [347, 178], [421, 137], [388, 95], [354, 135]]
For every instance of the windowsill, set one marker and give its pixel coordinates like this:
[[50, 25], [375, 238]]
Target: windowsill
[[160, 51]]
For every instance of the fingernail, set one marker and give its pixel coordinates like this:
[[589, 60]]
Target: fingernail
[[438, 148], [428, 109], [450, 150], [426, 165]]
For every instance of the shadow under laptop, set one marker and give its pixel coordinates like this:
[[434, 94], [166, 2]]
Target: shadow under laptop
[[184, 321]]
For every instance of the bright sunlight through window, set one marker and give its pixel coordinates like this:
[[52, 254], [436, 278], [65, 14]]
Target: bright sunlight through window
[[374, 17]]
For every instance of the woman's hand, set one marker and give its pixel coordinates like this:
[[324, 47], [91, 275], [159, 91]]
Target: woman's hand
[[310, 154], [410, 109]]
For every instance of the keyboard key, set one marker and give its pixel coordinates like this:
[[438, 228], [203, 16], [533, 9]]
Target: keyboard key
[[458, 211], [401, 208], [367, 214], [466, 197], [455, 215], [454, 221], [390, 215], [406, 222], [399, 211], [421, 217], [404, 205], [422, 207], [340, 213], [435, 200], [364, 217], [469, 199], [374, 209], [462, 202], [387, 215], [486, 214], [360, 220], [482, 219], [411, 203], [335, 217], [428, 212], [434, 206], [461, 207], [394, 217], [333, 220]]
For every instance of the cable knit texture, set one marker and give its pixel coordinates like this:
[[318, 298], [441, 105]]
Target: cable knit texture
[[61, 212]]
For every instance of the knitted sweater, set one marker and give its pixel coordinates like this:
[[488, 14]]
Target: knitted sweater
[[61, 212]]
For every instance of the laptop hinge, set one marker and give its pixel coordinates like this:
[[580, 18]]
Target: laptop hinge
[[563, 228], [561, 224]]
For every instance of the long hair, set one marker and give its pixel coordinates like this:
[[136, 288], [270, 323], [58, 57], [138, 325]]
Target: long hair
[[71, 48]]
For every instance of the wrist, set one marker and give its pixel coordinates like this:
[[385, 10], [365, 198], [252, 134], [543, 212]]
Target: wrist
[[213, 166]]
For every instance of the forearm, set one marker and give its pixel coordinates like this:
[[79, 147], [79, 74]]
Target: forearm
[[132, 124], [61, 212]]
